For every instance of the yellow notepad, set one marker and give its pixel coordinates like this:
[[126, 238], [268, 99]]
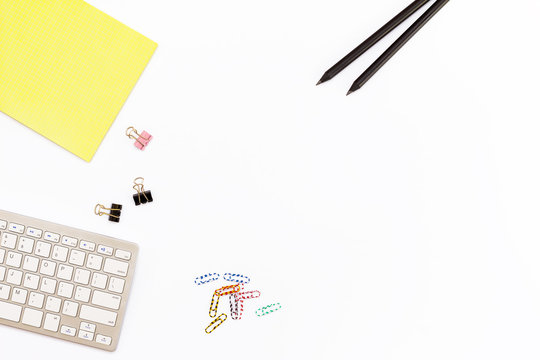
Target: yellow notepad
[[66, 69]]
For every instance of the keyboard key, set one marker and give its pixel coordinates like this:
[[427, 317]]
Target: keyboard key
[[77, 257], [26, 245], [51, 322], [14, 259], [116, 267], [2, 273], [4, 291], [102, 339], [10, 312], [82, 276], [70, 308], [16, 228], [48, 286], [19, 296], [60, 253], [2, 254], [8, 240], [121, 254], [32, 317], [43, 249], [86, 335], [53, 304], [106, 300], [87, 245], [14, 277], [3, 224], [94, 262], [116, 285], [99, 280], [36, 233], [65, 290], [69, 241], [100, 316], [67, 330], [36, 300], [88, 327], [65, 272], [106, 250], [82, 294], [31, 281], [30, 263], [49, 236], [47, 267]]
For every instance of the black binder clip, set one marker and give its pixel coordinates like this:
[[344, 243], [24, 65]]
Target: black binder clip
[[114, 214], [142, 196]]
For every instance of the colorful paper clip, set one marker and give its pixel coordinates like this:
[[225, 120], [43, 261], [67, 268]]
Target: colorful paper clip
[[227, 290], [203, 279], [141, 140], [115, 211], [237, 307], [265, 310], [214, 324], [214, 304], [142, 196], [248, 294], [241, 279]]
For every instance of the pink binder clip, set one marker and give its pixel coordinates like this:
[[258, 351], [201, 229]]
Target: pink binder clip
[[141, 140]]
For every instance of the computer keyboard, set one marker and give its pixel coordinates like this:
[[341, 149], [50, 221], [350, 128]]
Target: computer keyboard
[[63, 282]]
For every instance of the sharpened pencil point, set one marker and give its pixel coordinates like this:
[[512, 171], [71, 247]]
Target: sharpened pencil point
[[319, 83], [349, 92]]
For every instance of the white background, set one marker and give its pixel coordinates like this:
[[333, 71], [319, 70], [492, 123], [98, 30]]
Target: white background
[[400, 222]]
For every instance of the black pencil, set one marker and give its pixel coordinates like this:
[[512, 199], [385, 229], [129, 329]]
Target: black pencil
[[398, 44], [372, 40]]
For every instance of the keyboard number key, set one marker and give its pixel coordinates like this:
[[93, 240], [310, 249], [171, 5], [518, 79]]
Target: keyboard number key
[[60, 253], [43, 249], [8, 241]]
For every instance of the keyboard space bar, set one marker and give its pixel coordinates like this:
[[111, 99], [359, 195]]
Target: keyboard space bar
[[10, 312]]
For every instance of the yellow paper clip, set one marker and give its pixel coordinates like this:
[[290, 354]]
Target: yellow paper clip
[[214, 324], [214, 305], [227, 290]]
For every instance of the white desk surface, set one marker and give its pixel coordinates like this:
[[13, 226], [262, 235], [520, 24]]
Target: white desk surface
[[400, 222]]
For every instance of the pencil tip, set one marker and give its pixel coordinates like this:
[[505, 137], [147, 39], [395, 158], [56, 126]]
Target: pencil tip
[[349, 92], [319, 83]]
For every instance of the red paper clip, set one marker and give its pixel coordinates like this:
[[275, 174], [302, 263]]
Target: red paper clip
[[141, 140]]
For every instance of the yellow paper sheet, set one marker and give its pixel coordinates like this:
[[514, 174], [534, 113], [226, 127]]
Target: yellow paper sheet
[[66, 69]]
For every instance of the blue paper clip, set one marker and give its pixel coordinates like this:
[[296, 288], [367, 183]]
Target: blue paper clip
[[237, 278], [203, 279]]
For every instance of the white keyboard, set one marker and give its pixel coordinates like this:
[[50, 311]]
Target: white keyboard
[[63, 282]]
